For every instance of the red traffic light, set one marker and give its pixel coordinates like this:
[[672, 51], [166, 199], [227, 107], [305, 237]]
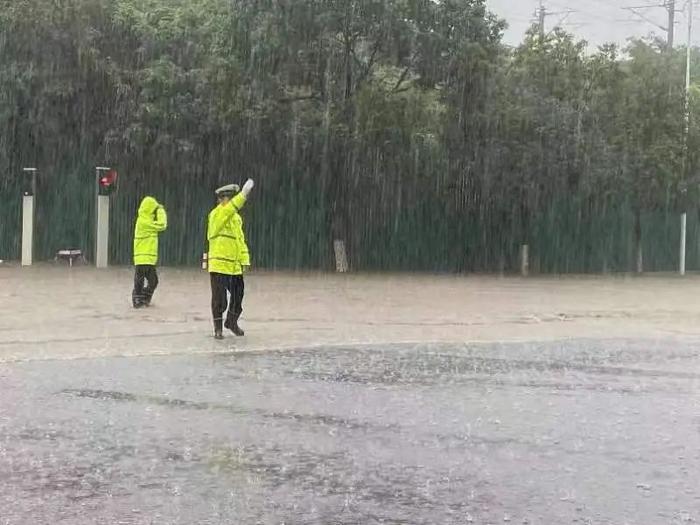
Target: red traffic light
[[107, 182], [108, 179]]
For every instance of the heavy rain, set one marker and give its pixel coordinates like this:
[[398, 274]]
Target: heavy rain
[[348, 262]]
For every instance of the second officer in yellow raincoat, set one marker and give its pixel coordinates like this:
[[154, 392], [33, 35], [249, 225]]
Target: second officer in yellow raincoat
[[150, 222]]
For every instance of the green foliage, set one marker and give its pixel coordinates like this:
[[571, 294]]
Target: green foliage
[[402, 126]]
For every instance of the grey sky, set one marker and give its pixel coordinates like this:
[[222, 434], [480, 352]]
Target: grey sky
[[597, 21]]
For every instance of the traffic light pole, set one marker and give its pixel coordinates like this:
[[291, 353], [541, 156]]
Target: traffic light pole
[[29, 184], [102, 231]]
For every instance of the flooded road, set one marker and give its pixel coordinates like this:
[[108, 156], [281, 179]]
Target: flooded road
[[585, 432], [88, 312]]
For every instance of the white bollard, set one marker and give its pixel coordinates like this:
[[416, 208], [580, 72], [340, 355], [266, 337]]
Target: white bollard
[[102, 237], [684, 230], [27, 230], [29, 184]]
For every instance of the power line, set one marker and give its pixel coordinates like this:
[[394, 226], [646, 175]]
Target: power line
[[605, 4], [669, 28], [541, 15], [581, 12], [604, 20]]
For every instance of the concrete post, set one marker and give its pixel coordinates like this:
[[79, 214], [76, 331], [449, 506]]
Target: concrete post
[[28, 216], [102, 238]]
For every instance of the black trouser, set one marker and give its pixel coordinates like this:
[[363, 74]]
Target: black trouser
[[142, 294], [221, 285]]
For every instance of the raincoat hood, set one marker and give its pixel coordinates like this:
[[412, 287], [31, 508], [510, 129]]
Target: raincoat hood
[[148, 206]]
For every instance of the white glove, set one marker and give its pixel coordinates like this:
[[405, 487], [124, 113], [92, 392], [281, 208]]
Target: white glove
[[247, 187]]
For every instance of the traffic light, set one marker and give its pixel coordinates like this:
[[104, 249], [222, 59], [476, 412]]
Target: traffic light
[[29, 182], [107, 182]]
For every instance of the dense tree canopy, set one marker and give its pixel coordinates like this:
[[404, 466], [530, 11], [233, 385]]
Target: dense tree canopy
[[404, 127]]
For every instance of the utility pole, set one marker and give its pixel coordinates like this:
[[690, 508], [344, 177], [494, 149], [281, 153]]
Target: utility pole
[[687, 72], [541, 14], [541, 17], [670, 29], [686, 163]]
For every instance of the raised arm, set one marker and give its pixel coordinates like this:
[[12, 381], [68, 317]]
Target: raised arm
[[219, 217], [241, 198]]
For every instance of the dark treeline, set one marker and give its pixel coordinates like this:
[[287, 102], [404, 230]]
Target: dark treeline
[[403, 127]]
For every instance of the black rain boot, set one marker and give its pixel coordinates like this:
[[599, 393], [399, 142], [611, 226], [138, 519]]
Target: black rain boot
[[136, 301], [218, 331], [232, 324]]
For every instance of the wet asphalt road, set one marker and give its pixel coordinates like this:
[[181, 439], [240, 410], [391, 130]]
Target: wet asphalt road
[[580, 432]]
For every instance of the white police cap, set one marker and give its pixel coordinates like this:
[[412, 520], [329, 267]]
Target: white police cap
[[229, 189]]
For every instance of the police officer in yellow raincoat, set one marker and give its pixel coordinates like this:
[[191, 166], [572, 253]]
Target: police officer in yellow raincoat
[[228, 257], [150, 222]]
